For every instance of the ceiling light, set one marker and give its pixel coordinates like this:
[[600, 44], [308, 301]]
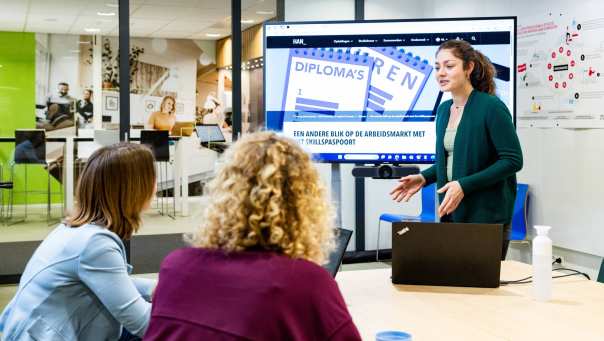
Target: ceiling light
[[92, 30], [74, 51], [50, 19], [85, 42], [213, 34], [247, 21], [112, 5], [105, 14], [265, 12]]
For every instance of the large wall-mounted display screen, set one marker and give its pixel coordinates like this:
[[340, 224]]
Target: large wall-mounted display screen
[[365, 92]]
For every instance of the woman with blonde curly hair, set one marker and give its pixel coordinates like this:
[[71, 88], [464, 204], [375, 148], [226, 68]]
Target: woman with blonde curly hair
[[254, 269]]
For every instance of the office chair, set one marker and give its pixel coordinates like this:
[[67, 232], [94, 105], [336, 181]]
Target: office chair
[[159, 142], [30, 149], [601, 273], [428, 214]]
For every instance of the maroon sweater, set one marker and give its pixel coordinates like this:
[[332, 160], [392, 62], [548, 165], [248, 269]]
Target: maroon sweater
[[210, 295]]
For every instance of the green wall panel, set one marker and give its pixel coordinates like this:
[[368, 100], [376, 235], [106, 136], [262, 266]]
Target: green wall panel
[[17, 110]]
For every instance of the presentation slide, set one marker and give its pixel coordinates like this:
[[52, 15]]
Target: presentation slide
[[365, 92]]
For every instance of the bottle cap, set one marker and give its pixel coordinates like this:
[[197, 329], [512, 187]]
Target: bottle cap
[[542, 230]]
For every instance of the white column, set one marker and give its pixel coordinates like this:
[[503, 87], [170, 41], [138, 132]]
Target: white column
[[220, 93], [69, 176], [176, 174], [185, 149]]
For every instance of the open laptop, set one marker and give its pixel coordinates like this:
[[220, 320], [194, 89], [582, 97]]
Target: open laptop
[[449, 254], [182, 128], [336, 256], [210, 136]]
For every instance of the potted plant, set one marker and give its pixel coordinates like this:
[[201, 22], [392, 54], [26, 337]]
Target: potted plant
[[108, 66], [113, 72]]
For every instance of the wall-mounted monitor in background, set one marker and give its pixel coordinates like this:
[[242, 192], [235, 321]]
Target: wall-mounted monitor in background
[[365, 92]]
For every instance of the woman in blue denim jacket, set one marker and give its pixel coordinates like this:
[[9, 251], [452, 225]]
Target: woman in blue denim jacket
[[77, 286]]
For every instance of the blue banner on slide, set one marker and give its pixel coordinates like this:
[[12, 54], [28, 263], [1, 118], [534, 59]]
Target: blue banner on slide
[[275, 119]]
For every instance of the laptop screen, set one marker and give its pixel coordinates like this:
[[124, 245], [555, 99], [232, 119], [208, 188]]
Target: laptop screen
[[209, 133], [336, 256]]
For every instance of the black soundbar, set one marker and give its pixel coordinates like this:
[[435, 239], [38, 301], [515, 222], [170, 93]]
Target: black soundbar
[[384, 171]]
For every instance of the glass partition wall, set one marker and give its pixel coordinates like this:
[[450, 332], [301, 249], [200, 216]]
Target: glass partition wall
[[60, 73]]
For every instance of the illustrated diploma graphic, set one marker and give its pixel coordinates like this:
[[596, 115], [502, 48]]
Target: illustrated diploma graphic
[[397, 80], [324, 84]]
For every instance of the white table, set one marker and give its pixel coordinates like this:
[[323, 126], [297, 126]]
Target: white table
[[576, 311]]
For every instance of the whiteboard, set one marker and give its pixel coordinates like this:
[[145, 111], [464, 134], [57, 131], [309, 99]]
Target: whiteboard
[[560, 71], [560, 113]]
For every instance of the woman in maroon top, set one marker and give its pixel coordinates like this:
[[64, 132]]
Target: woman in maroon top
[[253, 272]]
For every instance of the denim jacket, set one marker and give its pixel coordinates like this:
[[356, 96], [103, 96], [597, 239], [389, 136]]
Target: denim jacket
[[77, 286]]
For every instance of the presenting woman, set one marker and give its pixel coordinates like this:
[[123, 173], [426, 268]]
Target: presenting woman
[[477, 149], [77, 286], [164, 119]]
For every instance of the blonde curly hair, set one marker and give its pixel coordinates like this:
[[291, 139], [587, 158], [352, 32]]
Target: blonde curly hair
[[267, 196]]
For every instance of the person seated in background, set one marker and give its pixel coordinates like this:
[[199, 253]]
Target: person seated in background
[[253, 269], [60, 109], [84, 107], [228, 120], [227, 126], [62, 97], [165, 118], [76, 286]]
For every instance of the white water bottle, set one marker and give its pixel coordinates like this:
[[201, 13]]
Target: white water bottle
[[542, 264]]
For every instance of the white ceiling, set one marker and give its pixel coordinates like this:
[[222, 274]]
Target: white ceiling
[[185, 19]]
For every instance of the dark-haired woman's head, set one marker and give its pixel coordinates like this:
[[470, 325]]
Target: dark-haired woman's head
[[458, 63], [116, 185]]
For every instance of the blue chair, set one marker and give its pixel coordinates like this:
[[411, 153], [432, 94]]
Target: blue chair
[[519, 217], [427, 214], [601, 273]]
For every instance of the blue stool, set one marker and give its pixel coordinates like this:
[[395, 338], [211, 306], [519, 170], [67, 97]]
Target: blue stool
[[519, 217], [427, 214]]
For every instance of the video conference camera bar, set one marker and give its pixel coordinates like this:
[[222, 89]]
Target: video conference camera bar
[[384, 171]]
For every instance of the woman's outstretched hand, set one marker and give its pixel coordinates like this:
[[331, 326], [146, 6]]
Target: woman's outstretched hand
[[407, 187], [453, 195]]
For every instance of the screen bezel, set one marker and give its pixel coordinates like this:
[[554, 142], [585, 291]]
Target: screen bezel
[[437, 101]]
